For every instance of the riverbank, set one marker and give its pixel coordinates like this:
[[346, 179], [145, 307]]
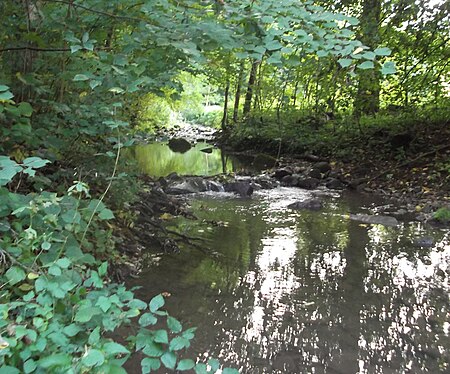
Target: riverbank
[[394, 157]]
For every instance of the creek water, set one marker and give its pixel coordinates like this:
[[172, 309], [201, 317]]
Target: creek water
[[273, 290]]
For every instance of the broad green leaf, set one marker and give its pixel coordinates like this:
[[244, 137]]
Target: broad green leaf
[[383, 51], [179, 343], [35, 162], [71, 330], [55, 360], [388, 68], [94, 336], [29, 366], [63, 263], [9, 370], [106, 214], [230, 371], [156, 303], [345, 62], [369, 55], [160, 336], [15, 275], [94, 357], [75, 48], [80, 77], [3, 88], [366, 65], [201, 369], [104, 303], [169, 360], [25, 109], [214, 363], [113, 348], [185, 365], [153, 349], [7, 95], [147, 319], [174, 325], [149, 364], [85, 314]]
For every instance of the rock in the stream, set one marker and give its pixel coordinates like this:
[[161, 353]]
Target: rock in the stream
[[191, 185], [179, 145], [375, 219], [265, 182], [310, 204], [244, 188], [334, 184], [308, 183], [207, 150], [280, 173], [322, 166], [290, 180], [215, 186], [315, 173], [425, 242]]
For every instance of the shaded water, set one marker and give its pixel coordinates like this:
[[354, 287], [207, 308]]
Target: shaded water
[[282, 291], [158, 160]]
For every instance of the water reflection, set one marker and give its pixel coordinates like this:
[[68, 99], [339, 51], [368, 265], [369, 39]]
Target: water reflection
[[158, 160], [309, 292]]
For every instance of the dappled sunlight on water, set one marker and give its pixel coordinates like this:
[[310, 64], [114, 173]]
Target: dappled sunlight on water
[[308, 292]]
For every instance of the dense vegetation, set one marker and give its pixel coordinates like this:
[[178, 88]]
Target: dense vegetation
[[76, 80]]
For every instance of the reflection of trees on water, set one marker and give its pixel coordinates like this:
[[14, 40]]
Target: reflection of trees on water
[[315, 293]]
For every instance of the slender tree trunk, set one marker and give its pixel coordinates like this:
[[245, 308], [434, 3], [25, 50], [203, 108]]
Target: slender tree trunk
[[237, 96], [250, 88], [225, 106], [367, 100]]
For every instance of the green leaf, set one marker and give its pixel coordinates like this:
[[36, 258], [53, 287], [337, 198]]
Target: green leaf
[[383, 51], [25, 109], [366, 65], [94, 357], [85, 314], [388, 68], [54, 270], [71, 330], [230, 371], [80, 77], [113, 348], [156, 303], [35, 162], [149, 364], [104, 303], [63, 263], [94, 336], [185, 365], [160, 336], [7, 95], [201, 369], [174, 325], [369, 55], [3, 88], [179, 343], [169, 360], [106, 214], [153, 349], [103, 269], [345, 62], [214, 363], [55, 360], [147, 319], [15, 275], [29, 366], [75, 48], [137, 304], [9, 370]]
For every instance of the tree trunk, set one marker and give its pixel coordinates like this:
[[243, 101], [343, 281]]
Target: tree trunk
[[367, 99], [237, 96], [250, 88], [225, 106]]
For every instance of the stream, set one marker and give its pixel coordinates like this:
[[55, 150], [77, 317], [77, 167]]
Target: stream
[[275, 290]]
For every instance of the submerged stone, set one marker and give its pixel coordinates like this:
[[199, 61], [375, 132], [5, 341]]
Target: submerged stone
[[309, 204], [376, 219], [179, 145]]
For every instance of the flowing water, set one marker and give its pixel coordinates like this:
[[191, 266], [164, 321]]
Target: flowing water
[[273, 290]]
